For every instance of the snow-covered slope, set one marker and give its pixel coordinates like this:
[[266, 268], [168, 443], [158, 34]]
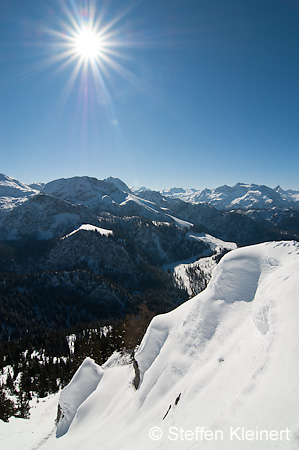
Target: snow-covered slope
[[37, 186], [88, 191], [89, 247], [195, 272], [219, 372], [112, 195], [22, 434], [13, 192], [43, 217], [87, 227], [288, 195], [240, 196]]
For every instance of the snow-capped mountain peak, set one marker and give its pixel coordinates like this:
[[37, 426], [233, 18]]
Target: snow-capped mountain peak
[[117, 184], [13, 192], [11, 187]]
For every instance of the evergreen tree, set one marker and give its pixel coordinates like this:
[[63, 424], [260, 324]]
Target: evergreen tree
[[23, 407], [7, 406]]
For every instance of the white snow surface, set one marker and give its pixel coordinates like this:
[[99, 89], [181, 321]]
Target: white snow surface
[[150, 206], [180, 223], [216, 244], [226, 359], [76, 392], [87, 227], [22, 434]]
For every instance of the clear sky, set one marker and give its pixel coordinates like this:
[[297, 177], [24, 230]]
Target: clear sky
[[189, 93]]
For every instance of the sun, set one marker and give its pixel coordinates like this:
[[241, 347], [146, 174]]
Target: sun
[[94, 46], [88, 44]]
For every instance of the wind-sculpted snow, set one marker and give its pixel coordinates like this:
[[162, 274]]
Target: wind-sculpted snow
[[152, 344], [237, 280], [225, 362], [76, 392]]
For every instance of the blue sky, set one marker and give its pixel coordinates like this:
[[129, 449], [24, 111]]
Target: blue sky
[[199, 93]]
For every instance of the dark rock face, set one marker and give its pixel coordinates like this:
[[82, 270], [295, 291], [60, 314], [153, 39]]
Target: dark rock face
[[136, 381]]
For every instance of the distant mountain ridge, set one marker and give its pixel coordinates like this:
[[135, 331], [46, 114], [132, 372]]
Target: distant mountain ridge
[[244, 214], [95, 193], [65, 204], [241, 196]]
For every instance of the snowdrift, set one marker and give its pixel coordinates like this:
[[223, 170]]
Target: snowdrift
[[219, 372], [83, 383]]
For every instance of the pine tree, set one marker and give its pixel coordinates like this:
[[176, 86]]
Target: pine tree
[[23, 407], [7, 406]]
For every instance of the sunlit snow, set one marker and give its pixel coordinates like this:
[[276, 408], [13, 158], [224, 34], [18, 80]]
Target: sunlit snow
[[225, 362], [87, 227]]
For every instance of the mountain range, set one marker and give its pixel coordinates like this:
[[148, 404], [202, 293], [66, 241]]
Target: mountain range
[[241, 196], [58, 207], [103, 237]]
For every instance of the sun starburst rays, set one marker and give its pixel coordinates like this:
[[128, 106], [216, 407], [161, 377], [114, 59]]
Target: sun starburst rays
[[85, 42], [89, 51]]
